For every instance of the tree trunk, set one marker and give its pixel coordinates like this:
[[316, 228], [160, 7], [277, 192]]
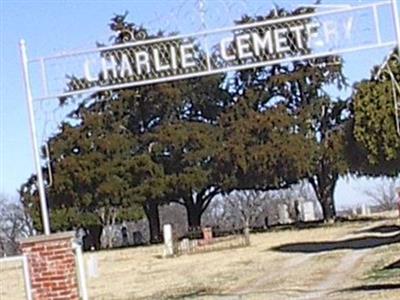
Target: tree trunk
[[194, 210], [324, 188], [194, 215], [107, 218], [151, 211], [196, 205], [328, 205], [328, 208]]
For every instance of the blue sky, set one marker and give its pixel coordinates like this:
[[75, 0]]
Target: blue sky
[[50, 27]]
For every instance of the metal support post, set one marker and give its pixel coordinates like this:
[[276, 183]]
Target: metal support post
[[81, 271], [396, 20], [28, 92]]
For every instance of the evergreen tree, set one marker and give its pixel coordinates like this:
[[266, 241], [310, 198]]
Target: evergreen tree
[[374, 110], [300, 87]]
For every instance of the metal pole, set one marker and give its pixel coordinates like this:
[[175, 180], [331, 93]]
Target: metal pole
[[204, 28], [396, 20], [81, 271], [28, 92], [28, 286]]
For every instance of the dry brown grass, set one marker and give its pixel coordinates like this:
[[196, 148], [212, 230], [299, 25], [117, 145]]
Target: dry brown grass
[[12, 281], [255, 272]]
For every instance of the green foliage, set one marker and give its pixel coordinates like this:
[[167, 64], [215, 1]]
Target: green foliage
[[29, 197], [190, 140], [375, 123], [186, 151], [262, 149], [318, 123]]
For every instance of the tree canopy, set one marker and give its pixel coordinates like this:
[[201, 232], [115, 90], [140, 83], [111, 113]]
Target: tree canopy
[[123, 153], [375, 126]]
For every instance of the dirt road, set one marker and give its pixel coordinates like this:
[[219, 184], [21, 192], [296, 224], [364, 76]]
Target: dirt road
[[335, 282]]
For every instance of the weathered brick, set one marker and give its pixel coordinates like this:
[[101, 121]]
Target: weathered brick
[[52, 267]]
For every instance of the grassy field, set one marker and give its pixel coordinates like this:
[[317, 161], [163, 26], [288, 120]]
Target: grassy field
[[341, 261], [12, 281], [344, 261]]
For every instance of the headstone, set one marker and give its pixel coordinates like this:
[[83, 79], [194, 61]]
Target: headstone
[[91, 240], [365, 210], [193, 245], [207, 235], [79, 235], [266, 222], [283, 214], [308, 211], [124, 233], [185, 246], [137, 238], [168, 240], [298, 210]]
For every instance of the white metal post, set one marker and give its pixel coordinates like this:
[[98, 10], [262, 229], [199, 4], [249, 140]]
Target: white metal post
[[28, 92], [396, 24], [81, 271], [27, 278]]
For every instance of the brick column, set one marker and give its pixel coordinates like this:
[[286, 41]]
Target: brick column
[[52, 266]]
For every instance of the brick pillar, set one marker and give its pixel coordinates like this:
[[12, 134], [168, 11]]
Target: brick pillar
[[52, 266]]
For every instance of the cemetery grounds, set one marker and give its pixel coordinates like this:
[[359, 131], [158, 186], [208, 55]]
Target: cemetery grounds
[[330, 270], [343, 261]]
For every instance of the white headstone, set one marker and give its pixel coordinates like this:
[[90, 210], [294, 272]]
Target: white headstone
[[185, 246], [168, 241], [365, 210], [308, 211], [283, 214]]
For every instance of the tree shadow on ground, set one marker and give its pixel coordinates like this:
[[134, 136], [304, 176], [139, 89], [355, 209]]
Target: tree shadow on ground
[[353, 244], [373, 287], [381, 229], [395, 265]]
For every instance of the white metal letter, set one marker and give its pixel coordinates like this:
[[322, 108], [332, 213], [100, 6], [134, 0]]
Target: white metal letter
[[312, 35], [297, 32], [223, 48], [109, 64], [157, 61], [126, 67], [330, 31], [86, 69], [187, 55], [243, 46], [142, 60], [281, 44], [348, 27], [174, 64], [261, 43]]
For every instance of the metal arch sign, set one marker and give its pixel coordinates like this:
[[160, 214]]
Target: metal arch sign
[[256, 44]]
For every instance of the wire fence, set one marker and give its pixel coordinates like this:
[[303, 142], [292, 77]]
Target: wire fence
[[208, 239]]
